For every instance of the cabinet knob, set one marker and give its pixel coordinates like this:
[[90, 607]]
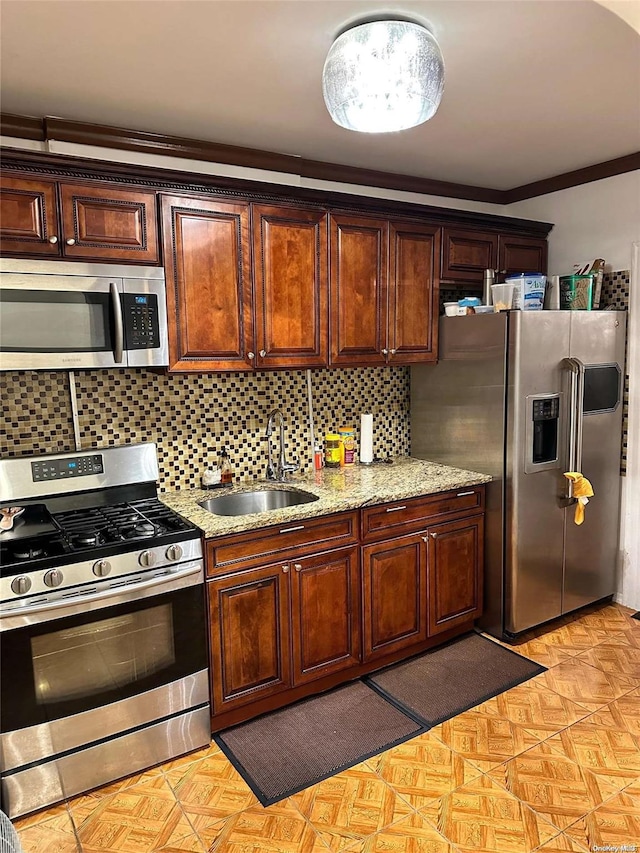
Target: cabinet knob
[[393, 351], [425, 538], [285, 569], [433, 535], [71, 242], [263, 352], [251, 356], [385, 351], [297, 567], [53, 239]]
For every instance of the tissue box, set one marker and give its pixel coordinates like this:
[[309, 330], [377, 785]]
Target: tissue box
[[576, 292]]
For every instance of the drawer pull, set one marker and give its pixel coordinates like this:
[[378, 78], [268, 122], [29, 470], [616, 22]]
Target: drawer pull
[[464, 494], [297, 567], [291, 529], [395, 508]]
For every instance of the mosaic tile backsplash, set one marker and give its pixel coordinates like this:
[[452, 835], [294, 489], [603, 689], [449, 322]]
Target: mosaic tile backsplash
[[191, 418]]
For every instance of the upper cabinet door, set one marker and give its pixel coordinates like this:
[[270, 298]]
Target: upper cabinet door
[[358, 283], [467, 254], [206, 250], [28, 217], [290, 266], [414, 252], [105, 223], [522, 254]]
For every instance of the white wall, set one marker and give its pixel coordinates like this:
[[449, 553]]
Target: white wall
[[597, 220]]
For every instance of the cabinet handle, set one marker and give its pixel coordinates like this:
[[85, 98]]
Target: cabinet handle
[[385, 352], [395, 508], [297, 567], [393, 351], [285, 569], [71, 242], [425, 538], [291, 529], [53, 239], [464, 494], [263, 352], [251, 356], [433, 535]]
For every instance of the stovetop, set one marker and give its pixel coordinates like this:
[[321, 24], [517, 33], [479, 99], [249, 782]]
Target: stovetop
[[96, 532]]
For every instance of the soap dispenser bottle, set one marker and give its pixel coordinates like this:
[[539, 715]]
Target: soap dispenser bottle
[[224, 463]]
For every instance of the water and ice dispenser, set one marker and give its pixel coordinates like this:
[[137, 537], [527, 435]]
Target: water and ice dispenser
[[543, 420]]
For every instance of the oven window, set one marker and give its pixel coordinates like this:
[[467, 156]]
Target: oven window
[[54, 321], [56, 669], [106, 654]]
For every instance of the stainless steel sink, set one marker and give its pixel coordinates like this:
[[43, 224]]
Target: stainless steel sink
[[264, 500]]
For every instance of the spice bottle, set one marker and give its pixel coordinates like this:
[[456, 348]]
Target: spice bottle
[[348, 446], [224, 463], [332, 450], [318, 457]]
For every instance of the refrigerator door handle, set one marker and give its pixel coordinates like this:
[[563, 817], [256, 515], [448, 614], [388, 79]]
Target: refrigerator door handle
[[576, 399]]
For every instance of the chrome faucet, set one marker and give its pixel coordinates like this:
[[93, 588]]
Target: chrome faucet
[[280, 470]]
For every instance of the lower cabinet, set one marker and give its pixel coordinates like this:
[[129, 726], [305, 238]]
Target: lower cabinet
[[282, 625], [454, 573], [335, 614], [394, 592]]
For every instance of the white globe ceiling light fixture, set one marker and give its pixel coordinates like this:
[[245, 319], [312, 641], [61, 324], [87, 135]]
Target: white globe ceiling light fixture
[[383, 76]]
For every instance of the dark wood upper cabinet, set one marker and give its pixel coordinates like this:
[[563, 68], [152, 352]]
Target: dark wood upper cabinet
[[358, 283], [209, 299], [522, 254], [109, 223], [88, 221], [455, 572], [250, 636], [325, 608], [28, 218], [290, 277], [466, 255], [414, 252], [394, 595]]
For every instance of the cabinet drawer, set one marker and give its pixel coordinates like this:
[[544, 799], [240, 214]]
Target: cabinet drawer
[[387, 520], [280, 542]]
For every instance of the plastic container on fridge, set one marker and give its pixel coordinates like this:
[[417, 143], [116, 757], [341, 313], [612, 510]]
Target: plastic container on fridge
[[528, 294]]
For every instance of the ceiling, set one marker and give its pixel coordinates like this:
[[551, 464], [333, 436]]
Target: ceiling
[[534, 88]]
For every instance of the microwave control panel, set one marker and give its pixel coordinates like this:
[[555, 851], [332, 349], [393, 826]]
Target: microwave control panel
[[141, 324]]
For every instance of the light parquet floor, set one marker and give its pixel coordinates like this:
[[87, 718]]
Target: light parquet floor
[[552, 766]]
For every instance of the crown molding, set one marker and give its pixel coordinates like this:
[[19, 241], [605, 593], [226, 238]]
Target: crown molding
[[84, 133]]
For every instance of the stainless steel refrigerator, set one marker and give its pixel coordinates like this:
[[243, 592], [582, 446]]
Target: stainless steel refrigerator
[[526, 396]]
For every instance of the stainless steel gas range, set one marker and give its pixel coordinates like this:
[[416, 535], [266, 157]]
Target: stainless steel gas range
[[103, 650]]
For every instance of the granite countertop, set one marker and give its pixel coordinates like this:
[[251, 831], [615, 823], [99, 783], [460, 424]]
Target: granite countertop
[[338, 490]]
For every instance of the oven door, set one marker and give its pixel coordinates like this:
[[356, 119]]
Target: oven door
[[56, 322], [115, 662]]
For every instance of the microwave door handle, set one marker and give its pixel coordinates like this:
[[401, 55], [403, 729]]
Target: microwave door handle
[[118, 343]]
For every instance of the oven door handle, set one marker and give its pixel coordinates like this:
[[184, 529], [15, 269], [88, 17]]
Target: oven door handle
[[121, 594]]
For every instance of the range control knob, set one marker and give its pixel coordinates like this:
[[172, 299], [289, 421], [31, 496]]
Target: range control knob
[[174, 552], [147, 559], [21, 585], [101, 568], [53, 578]]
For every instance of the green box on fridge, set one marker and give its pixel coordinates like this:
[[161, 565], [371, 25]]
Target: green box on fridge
[[576, 292]]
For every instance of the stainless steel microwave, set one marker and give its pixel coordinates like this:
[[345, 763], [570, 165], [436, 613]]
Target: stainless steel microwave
[[57, 315]]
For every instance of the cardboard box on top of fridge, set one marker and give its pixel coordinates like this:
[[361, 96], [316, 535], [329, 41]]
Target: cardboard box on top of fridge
[[596, 269]]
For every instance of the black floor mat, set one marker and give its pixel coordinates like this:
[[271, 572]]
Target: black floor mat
[[444, 682], [286, 751]]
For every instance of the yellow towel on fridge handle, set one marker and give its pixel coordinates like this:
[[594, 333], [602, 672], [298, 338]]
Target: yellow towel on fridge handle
[[582, 490]]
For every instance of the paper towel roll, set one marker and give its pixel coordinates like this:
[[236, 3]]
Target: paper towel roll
[[366, 439]]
